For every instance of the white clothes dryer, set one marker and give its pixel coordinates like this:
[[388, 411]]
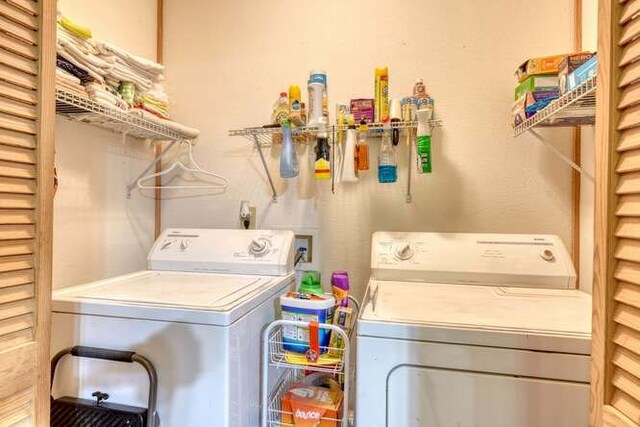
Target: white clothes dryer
[[197, 313], [474, 330]]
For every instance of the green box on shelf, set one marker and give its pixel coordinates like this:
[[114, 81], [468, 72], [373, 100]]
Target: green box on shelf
[[543, 83]]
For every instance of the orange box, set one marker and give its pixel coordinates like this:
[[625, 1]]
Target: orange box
[[537, 66], [305, 405]]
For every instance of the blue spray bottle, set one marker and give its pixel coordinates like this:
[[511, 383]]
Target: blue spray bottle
[[387, 162], [289, 167]]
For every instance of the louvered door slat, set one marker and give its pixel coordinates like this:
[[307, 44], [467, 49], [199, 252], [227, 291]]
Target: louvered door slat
[[18, 15], [16, 139], [626, 382], [15, 263], [631, 9], [628, 293], [17, 124], [16, 293], [628, 206], [627, 272], [17, 93], [629, 183], [627, 338], [16, 338], [629, 140], [16, 278], [16, 406], [28, 6], [15, 324], [18, 109], [18, 78], [16, 232], [626, 360], [18, 47], [630, 53], [630, 31], [19, 63], [18, 31], [627, 405], [16, 201], [17, 170], [629, 162], [629, 228], [628, 316], [630, 74], [16, 247], [628, 250]]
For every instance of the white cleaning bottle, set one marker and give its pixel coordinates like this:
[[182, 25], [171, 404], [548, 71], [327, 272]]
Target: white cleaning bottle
[[349, 167]]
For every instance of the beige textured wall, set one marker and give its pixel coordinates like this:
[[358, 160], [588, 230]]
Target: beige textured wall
[[98, 232], [227, 61]]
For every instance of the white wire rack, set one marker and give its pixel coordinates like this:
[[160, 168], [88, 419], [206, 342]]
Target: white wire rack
[[85, 110], [266, 136], [273, 355], [574, 108], [276, 416]]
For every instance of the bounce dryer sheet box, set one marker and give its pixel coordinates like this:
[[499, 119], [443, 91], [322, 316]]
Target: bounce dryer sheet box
[[305, 405], [569, 65]]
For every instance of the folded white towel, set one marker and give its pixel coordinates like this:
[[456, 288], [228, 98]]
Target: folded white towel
[[62, 74], [89, 59], [134, 60], [87, 46]]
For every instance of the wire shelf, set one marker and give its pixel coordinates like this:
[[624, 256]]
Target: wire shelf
[[267, 136], [574, 108], [274, 411], [83, 109], [278, 356]]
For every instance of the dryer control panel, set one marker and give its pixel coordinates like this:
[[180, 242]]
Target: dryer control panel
[[262, 252], [465, 258]]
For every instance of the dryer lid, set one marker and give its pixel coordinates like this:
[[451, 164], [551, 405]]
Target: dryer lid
[[557, 320], [464, 258]]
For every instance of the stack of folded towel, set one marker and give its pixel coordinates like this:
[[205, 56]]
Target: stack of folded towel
[[110, 74], [69, 82]]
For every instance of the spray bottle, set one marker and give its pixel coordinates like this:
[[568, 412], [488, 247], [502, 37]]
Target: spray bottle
[[289, 167], [363, 147], [423, 142], [350, 168], [323, 164], [387, 162]]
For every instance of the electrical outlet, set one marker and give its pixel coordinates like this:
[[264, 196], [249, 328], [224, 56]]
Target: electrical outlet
[[304, 243]]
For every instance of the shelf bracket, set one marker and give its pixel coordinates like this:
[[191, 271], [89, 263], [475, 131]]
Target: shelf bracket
[[562, 157], [153, 164], [274, 197]]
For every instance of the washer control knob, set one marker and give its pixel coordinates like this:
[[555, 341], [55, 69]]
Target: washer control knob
[[547, 255], [184, 244], [259, 247], [404, 252]]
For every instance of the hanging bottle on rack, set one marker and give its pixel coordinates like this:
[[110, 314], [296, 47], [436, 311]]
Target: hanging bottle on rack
[[289, 167], [350, 167], [323, 162], [387, 162], [362, 155]]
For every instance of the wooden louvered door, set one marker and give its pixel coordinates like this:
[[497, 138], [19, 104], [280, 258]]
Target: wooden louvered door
[[615, 373], [27, 121]]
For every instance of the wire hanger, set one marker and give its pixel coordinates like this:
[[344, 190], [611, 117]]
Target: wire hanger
[[195, 169]]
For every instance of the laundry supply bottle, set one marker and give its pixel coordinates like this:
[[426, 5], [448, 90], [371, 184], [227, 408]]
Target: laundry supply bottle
[[362, 155], [289, 167], [280, 109], [340, 287], [323, 164], [387, 162], [423, 142], [350, 166], [295, 105]]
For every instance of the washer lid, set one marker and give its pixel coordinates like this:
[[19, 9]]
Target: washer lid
[[216, 299], [557, 320]]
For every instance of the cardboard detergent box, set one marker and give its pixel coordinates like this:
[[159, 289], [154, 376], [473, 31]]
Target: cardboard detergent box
[[305, 405], [537, 66], [569, 65]]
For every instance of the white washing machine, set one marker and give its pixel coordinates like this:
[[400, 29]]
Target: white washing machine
[[477, 330], [197, 314]]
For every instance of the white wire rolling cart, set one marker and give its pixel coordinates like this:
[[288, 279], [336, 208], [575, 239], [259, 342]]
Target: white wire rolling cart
[[274, 356]]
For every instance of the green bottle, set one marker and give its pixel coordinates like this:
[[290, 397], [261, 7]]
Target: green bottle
[[423, 143]]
